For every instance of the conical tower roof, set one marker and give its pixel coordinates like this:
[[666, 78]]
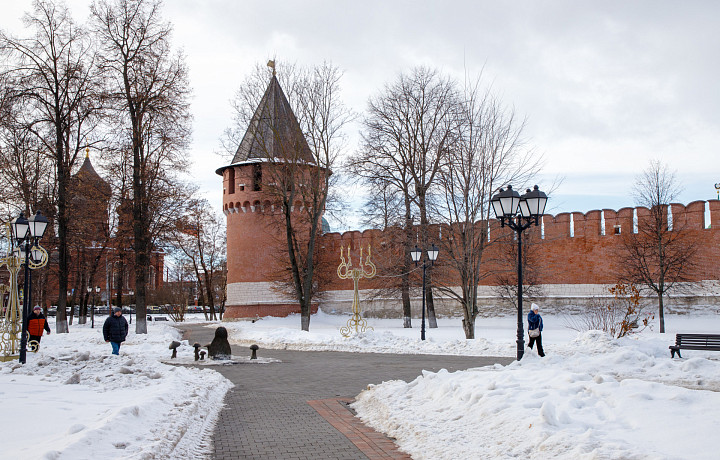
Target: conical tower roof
[[273, 133], [87, 174]]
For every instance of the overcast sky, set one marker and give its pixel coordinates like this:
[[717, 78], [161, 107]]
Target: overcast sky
[[605, 86]]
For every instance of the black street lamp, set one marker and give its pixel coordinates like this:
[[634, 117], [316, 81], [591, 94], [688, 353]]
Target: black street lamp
[[92, 317], [92, 311], [132, 293], [27, 234], [531, 206], [432, 254]]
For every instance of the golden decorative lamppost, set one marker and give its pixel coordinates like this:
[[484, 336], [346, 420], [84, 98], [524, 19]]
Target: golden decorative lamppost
[[346, 271], [11, 319], [23, 248]]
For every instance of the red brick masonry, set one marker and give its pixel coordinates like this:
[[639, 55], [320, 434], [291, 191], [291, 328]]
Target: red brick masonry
[[373, 444]]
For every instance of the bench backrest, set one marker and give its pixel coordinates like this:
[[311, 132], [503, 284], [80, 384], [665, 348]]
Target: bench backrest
[[709, 340]]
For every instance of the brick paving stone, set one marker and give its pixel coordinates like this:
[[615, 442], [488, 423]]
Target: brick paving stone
[[293, 410]]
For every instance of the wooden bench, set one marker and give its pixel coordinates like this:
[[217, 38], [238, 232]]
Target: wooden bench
[[695, 342]]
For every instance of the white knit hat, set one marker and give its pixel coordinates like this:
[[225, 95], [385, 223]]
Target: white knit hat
[[534, 307]]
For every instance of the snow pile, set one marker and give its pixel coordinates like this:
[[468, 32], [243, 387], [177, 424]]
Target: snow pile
[[387, 336], [74, 400], [591, 398]]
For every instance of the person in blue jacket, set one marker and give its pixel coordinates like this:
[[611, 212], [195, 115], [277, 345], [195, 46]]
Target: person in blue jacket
[[535, 327], [115, 330]]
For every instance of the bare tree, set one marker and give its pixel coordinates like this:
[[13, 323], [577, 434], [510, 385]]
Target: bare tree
[[200, 237], [53, 76], [147, 87], [390, 209], [410, 128], [322, 117], [661, 253], [488, 151], [391, 199]]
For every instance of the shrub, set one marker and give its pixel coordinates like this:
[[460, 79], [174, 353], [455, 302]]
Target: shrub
[[619, 316]]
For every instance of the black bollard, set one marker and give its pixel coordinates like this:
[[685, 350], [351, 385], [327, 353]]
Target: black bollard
[[254, 349], [173, 346], [197, 351]]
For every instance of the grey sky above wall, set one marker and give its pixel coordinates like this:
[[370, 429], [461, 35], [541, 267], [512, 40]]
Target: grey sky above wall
[[605, 86]]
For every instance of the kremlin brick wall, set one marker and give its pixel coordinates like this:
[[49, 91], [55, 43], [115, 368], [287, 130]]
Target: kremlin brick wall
[[575, 254], [571, 258]]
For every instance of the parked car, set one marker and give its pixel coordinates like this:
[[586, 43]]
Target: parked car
[[151, 318]]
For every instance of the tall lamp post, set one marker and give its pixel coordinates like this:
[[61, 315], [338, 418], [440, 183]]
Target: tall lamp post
[[506, 204], [92, 311], [27, 234], [92, 318], [130, 308], [431, 255]]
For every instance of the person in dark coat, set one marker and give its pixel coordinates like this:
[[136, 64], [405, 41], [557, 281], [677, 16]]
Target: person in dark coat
[[535, 327], [36, 325], [115, 330]]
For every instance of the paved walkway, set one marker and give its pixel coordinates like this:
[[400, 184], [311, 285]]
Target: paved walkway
[[297, 409]]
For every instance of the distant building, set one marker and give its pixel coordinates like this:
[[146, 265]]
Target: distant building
[[98, 250]]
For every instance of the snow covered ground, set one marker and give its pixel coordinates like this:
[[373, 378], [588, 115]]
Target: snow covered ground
[[591, 397], [74, 400]]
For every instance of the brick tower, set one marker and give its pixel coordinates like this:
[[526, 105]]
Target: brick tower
[[255, 226]]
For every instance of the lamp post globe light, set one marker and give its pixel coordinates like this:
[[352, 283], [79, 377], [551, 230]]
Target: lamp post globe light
[[519, 213], [27, 234], [416, 254]]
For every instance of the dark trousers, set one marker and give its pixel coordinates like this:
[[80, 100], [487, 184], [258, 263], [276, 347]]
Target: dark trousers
[[537, 339]]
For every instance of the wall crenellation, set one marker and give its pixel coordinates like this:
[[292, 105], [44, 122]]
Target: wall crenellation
[[590, 224]]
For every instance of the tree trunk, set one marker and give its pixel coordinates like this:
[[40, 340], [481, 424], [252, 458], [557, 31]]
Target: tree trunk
[[469, 314], [429, 302], [140, 233], [119, 286], [140, 301], [405, 278], [305, 322], [82, 311], [469, 327], [61, 321], [209, 295], [661, 313], [82, 308], [407, 312], [424, 238]]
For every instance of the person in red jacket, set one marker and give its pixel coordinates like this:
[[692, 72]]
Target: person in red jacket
[[36, 325]]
